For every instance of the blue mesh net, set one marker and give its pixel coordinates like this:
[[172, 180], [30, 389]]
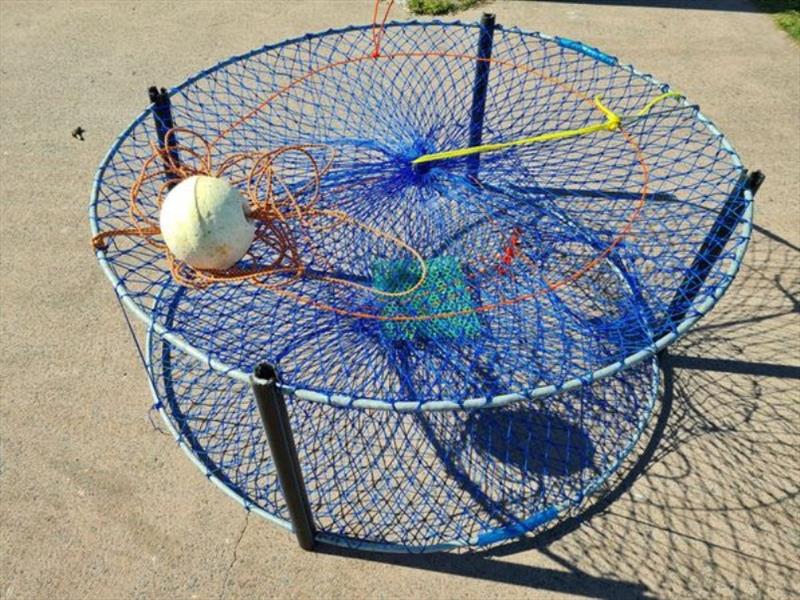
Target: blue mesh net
[[570, 200], [557, 264]]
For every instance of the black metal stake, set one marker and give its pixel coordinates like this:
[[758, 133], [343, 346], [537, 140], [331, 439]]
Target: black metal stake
[[479, 88], [712, 247], [162, 117], [272, 407]]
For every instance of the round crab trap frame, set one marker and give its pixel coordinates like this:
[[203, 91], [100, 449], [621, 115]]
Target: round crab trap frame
[[471, 243]]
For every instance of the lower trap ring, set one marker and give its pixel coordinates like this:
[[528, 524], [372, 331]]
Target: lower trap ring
[[402, 481]]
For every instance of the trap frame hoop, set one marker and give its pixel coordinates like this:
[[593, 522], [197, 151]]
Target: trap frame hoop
[[186, 376]]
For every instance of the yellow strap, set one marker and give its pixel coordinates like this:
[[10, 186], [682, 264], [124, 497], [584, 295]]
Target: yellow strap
[[612, 123]]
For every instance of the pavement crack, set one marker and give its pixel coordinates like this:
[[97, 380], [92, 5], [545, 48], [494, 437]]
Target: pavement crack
[[234, 557]]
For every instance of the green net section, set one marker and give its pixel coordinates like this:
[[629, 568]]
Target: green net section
[[443, 292]]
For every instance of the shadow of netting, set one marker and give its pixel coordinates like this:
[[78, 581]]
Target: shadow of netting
[[713, 514]]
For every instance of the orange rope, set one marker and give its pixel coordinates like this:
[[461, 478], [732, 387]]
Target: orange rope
[[378, 30], [279, 205]]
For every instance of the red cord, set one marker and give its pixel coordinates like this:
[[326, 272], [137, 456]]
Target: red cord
[[377, 30]]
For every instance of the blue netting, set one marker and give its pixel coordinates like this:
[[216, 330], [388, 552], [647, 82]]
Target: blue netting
[[564, 262], [569, 200]]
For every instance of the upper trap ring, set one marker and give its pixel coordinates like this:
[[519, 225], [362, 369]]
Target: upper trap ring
[[566, 202]]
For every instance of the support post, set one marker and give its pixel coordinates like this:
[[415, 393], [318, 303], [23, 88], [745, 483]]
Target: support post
[[272, 407], [712, 247], [162, 117], [479, 88]]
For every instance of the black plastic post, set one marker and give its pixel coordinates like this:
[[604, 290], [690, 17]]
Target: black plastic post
[[478, 111], [162, 117], [272, 407], [712, 247]]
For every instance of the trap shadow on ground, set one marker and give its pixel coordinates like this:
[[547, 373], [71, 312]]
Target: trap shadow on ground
[[706, 504]]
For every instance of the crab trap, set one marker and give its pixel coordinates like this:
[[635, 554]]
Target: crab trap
[[469, 242]]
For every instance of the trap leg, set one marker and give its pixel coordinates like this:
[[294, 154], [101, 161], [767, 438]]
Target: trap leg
[[479, 90], [272, 407], [162, 117], [712, 247]]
